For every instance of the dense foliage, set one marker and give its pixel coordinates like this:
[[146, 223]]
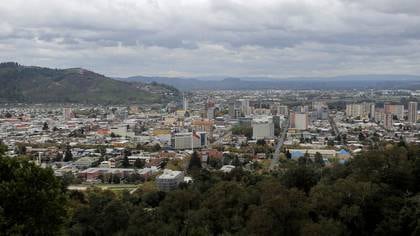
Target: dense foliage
[[376, 193], [242, 129], [32, 200]]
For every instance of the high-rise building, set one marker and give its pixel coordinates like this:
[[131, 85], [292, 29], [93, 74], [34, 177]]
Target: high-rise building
[[388, 121], [263, 127], [185, 103], [245, 108], [283, 110], [299, 121], [396, 110], [372, 111], [412, 112], [209, 109], [67, 113], [361, 110]]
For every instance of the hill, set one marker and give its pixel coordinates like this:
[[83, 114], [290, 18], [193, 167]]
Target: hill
[[28, 84], [321, 83]]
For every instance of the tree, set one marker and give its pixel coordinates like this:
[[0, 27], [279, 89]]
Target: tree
[[101, 149], [242, 129], [195, 162], [20, 149], [261, 142], [319, 160], [125, 162], [139, 163], [32, 201], [3, 148], [45, 126], [288, 154], [68, 155], [156, 147], [302, 177]]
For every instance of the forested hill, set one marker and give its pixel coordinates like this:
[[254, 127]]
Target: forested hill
[[44, 85]]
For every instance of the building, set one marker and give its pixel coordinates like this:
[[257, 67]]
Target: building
[[182, 141], [67, 113], [325, 153], [85, 162], [263, 128], [234, 109], [412, 112], [395, 110], [245, 108], [209, 109], [278, 109], [203, 125], [185, 103], [169, 180], [372, 113], [299, 121], [388, 121], [360, 110]]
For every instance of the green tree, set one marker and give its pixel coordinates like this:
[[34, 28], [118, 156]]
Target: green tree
[[3, 148], [68, 155], [319, 160], [125, 162], [32, 201], [139, 163], [195, 162], [45, 126]]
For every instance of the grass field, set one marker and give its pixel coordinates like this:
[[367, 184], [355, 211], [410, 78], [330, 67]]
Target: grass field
[[112, 187]]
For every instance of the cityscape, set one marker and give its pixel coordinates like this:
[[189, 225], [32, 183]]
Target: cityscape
[[234, 141]]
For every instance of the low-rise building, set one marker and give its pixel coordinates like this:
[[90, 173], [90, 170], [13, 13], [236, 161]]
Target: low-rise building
[[169, 180]]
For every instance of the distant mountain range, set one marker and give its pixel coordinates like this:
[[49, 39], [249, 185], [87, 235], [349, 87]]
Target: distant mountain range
[[29, 84], [322, 83]]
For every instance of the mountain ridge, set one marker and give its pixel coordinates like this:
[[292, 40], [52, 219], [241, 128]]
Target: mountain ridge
[[32, 84], [377, 81]]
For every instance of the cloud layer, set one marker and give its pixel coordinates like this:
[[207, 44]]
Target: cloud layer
[[220, 37]]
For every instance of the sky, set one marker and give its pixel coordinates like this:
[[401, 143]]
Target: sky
[[199, 38]]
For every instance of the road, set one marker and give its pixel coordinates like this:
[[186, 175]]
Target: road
[[280, 141], [336, 131]]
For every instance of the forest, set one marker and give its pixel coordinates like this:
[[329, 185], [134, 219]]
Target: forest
[[375, 193]]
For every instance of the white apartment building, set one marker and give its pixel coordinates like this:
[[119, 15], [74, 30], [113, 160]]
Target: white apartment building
[[299, 121], [182, 141], [262, 127], [169, 180]]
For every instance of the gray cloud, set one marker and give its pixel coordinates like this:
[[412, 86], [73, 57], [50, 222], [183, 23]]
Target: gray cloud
[[223, 37]]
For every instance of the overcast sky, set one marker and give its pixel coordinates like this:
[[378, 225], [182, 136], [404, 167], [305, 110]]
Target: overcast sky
[[222, 37]]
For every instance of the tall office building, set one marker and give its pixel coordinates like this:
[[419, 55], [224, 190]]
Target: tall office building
[[185, 103], [412, 112], [245, 108]]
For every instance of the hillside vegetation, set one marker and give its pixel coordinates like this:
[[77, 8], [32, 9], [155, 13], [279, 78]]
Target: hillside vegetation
[[43, 85]]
